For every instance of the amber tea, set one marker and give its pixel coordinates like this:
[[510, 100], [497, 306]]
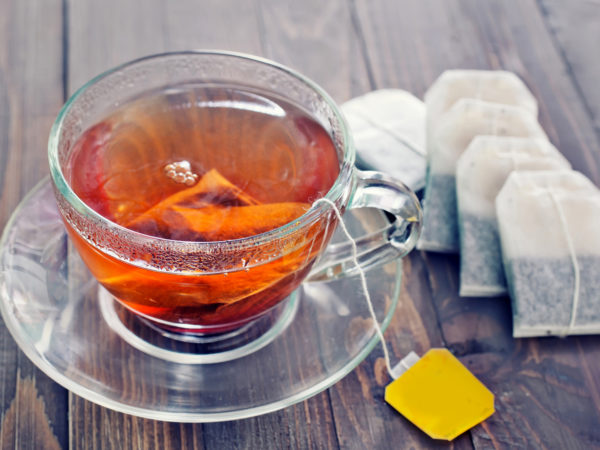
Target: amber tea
[[204, 163]]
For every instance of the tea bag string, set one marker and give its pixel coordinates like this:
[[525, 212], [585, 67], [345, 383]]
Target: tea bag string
[[571, 246], [363, 281]]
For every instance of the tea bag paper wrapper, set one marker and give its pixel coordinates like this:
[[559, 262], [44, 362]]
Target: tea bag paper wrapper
[[388, 128], [480, 174], [548, 223], [496, 86], [465, 120]]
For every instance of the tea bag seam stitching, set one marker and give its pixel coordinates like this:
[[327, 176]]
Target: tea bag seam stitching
[[363, 281], [576, 288]]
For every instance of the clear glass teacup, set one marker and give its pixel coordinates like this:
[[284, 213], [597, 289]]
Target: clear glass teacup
[[208, 287]]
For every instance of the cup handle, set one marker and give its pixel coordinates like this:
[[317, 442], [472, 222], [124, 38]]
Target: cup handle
[[374, 190]]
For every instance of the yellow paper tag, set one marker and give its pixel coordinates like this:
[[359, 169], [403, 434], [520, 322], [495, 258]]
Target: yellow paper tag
[[440, 396]]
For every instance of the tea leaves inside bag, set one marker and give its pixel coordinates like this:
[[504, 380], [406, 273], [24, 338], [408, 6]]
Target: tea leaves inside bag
[[465, 120], [548, 223], [480, 174]]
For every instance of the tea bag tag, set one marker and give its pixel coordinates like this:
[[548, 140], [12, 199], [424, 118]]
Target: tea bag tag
[[438, 394]]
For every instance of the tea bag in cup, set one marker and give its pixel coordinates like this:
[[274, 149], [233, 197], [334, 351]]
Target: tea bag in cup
[[465, 120], [548, 223], [480, 174], [496, 86]]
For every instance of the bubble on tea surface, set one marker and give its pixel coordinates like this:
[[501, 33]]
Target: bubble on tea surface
[[181, 172]]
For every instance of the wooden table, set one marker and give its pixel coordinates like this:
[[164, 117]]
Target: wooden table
[[547, 390]]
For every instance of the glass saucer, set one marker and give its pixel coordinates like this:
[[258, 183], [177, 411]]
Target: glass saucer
[[84, 340]]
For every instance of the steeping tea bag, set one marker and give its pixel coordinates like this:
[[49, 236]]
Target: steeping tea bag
[[465, 120], [496, 86], [480, 174], [548, 223], [196, 213]]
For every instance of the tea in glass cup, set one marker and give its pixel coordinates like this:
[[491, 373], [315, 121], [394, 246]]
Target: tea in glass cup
[[186, 182]]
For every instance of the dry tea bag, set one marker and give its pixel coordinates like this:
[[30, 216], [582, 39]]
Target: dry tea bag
[[388, 128], [480, 174], [548, 223], [465, 120], [496, 86]]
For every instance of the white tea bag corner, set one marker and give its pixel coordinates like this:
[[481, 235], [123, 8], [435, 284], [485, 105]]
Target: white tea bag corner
[[548, 224], [388, 128], [480, 174], [465, 120], [496, 86]]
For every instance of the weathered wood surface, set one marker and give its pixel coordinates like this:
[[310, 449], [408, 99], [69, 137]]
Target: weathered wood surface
[[547, 390], [32, 407], [576, 32]]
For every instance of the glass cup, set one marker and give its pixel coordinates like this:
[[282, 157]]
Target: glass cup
[[215, 287]]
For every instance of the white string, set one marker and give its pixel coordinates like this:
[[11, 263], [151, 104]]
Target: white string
[[565, 227], [363, 281]]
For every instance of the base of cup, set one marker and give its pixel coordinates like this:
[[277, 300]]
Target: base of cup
[[191, 346]]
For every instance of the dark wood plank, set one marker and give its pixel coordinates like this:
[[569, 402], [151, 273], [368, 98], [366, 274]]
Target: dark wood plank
[[32, 407], [306, 425], [95, 427], [317, 39], [104, 34], [574, 26], [546, 395]]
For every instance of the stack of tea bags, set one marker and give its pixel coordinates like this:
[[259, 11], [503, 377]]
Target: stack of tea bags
[[461, 105], [499, 192], [480, 174]]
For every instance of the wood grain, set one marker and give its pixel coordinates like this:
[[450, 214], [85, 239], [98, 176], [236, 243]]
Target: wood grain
[[576, 31], [27, 412], [319, 40], [33, 409], [105, 34]]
